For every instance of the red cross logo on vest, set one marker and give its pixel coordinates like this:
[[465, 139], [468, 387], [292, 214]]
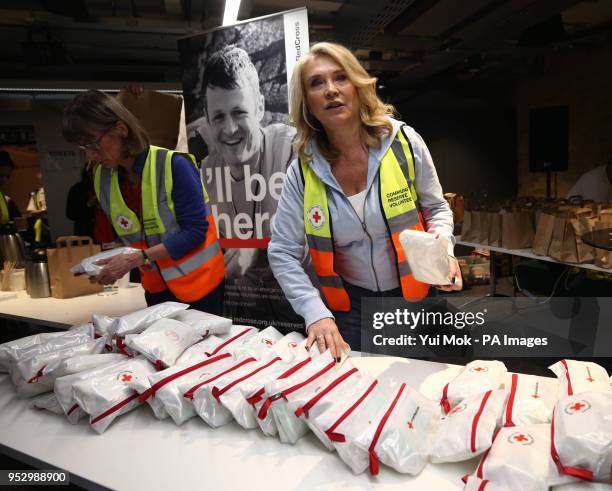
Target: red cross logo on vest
[[577, 407], [479, 369], [125, 377], [519, 438], [124, 222], [316, 217]]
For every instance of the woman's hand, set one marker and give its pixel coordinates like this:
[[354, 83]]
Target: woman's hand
[[117, 266], [325, 333], [455, 276]]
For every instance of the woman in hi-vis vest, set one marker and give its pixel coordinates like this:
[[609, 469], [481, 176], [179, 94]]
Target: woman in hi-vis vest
[[156, 203], [360, 179]]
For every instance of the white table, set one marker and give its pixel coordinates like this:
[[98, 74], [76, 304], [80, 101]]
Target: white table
[[63, 313], [139, 452]]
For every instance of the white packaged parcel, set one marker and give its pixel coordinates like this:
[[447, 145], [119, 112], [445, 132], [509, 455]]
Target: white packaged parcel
[[427, 256], [581, 376], [530, 399], [138, 321], [204, 322]]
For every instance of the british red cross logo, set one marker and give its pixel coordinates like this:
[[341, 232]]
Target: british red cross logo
[[479, 369], [316, 217], [521, 438], [577, 407], [125, 377], [124, 222], [171, 335], [410, 425]]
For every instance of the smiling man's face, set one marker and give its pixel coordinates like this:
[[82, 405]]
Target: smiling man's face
[[234, 116]]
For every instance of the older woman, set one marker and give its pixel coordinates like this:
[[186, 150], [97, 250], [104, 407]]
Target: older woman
[[156, 203], [361, 178]]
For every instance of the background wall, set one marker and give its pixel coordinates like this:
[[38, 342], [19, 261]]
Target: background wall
[[581, 79]]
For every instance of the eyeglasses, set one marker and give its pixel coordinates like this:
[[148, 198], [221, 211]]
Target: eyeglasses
[[95, 145]]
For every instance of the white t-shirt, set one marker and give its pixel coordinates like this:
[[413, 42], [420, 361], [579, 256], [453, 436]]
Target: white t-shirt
[[357, 200], [594, 185]]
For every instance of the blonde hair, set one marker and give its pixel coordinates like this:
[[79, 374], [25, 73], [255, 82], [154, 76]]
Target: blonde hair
[[93, 112], [373, 112]]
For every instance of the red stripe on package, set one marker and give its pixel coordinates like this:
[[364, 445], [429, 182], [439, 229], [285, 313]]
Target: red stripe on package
[[477, 418], [337, 437], [570, 391], [72, 409], [258, 396], [374, 465], [160, 383], [510, 404], [217, 393], [190, 392], [121, 346], [444, 401], [229, 341], [115, 408], [39, 374], [310, 404], [480, 468]]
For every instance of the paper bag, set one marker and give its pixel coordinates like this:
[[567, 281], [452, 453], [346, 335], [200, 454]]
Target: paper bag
[[480, 227], [603, 258], [495, 230], [68, 252], [457, 205], [543, 234], [466, 227], [159, 113], [517, 230], [582, 224]]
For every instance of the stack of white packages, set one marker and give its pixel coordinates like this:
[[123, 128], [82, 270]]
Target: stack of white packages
[[168, 386], [520, 460], [220, 401], [467, 431], [32, 368], [63, 385], [22, 344], [164, 341], [530, 399], [477, 377], [108, 394], [582, 421], [282, 392], [204, 323], [138, 321], [393, 425]]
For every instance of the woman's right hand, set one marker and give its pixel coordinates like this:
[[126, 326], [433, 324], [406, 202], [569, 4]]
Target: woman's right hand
[[326, 334]]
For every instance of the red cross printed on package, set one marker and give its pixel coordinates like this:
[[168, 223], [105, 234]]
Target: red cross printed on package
[[521, 438], [171, 335], [292, 344], [410, 425], [479, 369], [267, 341], [125, 377], [577, 407], [535, 396]]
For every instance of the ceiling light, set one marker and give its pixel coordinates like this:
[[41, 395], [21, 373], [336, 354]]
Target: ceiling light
[[230, 15]]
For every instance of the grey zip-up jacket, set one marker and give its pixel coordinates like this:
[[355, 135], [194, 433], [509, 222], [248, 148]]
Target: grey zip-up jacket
[[364, 253]]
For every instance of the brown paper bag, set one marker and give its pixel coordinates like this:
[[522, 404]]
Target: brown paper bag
[[543, 234], [582, 224], [457, 205], [159, 113], [480, 226], [603, 258], [495, 229], [517, 230], [466, 228], [68, 252]]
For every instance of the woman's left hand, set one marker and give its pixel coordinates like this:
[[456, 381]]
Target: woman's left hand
[[455, 276], [117, 266]]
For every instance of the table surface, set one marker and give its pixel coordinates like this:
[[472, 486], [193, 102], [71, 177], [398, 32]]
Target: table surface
[[600, 239], [62, 313], [140, 452], [527, 253]]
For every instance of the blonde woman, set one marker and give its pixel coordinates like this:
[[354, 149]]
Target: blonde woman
[[156, 203], [361, 178]]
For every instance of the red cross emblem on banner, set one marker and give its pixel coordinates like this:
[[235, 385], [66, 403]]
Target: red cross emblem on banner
[[521, 438], [124, 222], [316, 217], [577, 407]]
